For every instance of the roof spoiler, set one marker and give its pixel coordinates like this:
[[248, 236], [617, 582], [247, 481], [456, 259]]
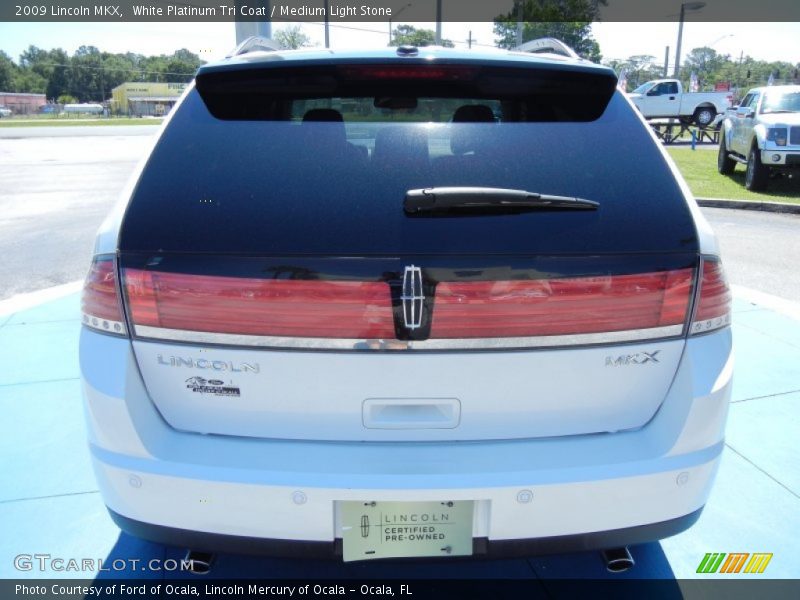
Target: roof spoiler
[[547, 45], [255, 43]]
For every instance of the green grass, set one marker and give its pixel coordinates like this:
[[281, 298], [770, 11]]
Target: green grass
[[699, 168], [83, 122]]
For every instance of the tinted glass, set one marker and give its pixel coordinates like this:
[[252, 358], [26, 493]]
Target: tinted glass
[[327, 175]]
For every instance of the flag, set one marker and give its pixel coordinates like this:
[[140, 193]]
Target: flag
[[622, 80], [694, 84]]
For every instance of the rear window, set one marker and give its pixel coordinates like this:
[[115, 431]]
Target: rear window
[[318, 160]]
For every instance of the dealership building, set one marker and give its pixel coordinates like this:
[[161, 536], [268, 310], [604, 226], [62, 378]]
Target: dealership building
[[22, 104], [143, 99]]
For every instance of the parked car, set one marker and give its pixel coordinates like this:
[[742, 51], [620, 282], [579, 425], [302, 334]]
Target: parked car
[[5, 112], [665, 98], [341, 306], [763, 133]]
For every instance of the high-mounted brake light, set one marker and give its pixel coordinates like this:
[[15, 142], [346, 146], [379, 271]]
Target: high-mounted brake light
[[713, 305], [261, 307], [427, 72], [656, 301], [100, 303]]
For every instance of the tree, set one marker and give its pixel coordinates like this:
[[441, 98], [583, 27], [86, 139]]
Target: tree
[[153, 68], [7, 72], [28, 82], [712, 68], [38, 67], [37, 60], [704, 60], [182, 66], [408, 35], [116, 70], [292, 37], [705, 63], [641, 68], [58, 80], [567, 20], [87, 82], [90, 75]]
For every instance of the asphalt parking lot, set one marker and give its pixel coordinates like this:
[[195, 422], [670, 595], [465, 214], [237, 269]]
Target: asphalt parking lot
[[54, 193]]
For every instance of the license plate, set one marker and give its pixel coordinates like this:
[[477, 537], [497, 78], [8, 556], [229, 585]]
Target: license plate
[[406, 529]]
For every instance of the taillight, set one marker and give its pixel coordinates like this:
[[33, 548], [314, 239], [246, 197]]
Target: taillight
[[583, 305], [100, 303], [342, 314], [263, 307], [713, 305]]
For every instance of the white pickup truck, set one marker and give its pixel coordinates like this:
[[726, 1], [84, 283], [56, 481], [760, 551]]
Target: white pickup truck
[[665, 98]]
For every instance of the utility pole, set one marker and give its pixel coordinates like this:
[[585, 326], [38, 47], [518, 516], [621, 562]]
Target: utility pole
[[264, 28], [666, 62], [438, 22], [469, 40], [684, 7], [678, 51], [739, 72], [246, 29], [519, 22], [327, 32]]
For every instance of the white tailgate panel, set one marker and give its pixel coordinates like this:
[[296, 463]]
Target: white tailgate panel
[[332, 395]]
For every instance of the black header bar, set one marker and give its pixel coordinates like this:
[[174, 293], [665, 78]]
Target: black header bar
[[342, 11], [194, 586]]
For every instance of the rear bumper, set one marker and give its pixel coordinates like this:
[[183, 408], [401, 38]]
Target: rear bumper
[[531, 496], [538, 506], [481, 547], [522, 505]]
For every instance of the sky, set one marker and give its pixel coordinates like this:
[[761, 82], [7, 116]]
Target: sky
[[762, 41]]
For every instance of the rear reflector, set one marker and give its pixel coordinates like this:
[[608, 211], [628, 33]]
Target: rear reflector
[[552, 307], [100, 304], [260, 307], [714, 299]]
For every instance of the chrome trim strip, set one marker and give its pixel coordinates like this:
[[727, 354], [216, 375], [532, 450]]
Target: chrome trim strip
[[303, 343], [104, 325]]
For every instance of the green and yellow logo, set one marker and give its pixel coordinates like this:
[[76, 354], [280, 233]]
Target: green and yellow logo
[[735, 562]]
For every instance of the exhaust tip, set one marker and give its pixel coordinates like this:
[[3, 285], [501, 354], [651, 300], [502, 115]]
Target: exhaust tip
[[618, 560], [199, 562]]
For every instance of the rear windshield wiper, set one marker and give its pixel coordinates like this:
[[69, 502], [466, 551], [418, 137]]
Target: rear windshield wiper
[[439, 199]]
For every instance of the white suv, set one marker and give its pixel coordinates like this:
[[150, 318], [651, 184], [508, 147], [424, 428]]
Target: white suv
[[405, 303]]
